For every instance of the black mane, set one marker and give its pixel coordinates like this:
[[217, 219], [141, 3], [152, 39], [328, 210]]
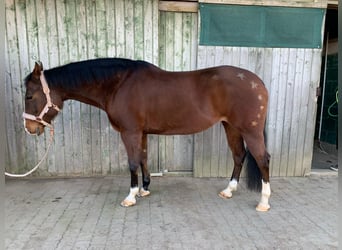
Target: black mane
[[73, 75]]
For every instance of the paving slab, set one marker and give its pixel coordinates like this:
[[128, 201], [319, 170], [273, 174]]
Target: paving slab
[[180, 213]]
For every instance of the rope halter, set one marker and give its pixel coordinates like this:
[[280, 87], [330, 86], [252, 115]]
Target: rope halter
[[47, 106]]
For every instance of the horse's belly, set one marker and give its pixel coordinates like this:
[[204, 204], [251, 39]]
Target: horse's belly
[[176, 124]]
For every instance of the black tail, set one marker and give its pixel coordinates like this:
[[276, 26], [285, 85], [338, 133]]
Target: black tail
[[253, 171]]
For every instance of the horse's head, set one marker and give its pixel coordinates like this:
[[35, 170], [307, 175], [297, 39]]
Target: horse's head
[[41, 105]]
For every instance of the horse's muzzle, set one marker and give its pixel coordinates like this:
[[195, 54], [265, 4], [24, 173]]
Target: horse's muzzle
[[33, 127]]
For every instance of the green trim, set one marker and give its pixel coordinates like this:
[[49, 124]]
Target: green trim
[[260, 26]]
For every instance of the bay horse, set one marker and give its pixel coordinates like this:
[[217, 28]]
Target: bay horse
[[140, 99]]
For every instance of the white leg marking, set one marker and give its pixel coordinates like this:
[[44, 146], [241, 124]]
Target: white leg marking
[[130, 199], [143, 192], [227, 193], [263, 205]]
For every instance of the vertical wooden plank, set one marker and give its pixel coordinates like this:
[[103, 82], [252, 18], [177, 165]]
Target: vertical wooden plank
[[272, 113], [120, 27], [81, 29], [147, 29], [280, 134], [186, 41], [243, 62], [292, 159], [303, 112], [129, 29], [198, 155], [162, 40], [177, 40], [287, 82], [71, 25], [101, 32], [105, 143], [155, 27], [236, 56], [227, 55], [110, 27], [312, 109], [288, 111], [206, 154], [123, 159], [215, 149], [169, 41], [95, 140], [138, 28], [15, 138], [91, 29], [194, 40]]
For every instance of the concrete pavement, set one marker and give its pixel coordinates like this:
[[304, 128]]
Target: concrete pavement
[[181, 213]]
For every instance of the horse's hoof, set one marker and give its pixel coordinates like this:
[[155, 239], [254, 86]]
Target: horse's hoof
[[224, 195], [127, 203], [262, 208], [143, 192]]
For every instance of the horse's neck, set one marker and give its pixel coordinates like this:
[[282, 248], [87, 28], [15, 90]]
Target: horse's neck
[[92, 95]]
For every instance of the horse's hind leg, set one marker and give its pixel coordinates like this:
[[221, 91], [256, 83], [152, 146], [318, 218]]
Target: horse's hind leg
[[235, 142], [256, 146]]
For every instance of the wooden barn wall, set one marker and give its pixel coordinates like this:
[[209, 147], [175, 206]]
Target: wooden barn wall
[[57, 32], [291, 77]]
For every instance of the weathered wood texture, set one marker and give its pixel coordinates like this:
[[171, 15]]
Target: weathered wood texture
[[178, 6], [291, 76]]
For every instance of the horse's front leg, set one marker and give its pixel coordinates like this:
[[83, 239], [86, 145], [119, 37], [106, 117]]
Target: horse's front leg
[[146, 178], [133, 145]]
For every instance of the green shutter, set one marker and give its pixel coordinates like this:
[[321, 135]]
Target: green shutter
[[260, 26]]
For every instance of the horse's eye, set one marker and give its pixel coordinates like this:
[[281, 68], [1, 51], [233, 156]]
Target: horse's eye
[[28, 97]]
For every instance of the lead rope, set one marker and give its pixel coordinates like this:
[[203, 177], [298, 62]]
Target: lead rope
[[38, 164]]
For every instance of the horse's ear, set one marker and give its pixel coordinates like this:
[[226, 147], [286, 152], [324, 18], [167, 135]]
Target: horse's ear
[[38, 67]]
